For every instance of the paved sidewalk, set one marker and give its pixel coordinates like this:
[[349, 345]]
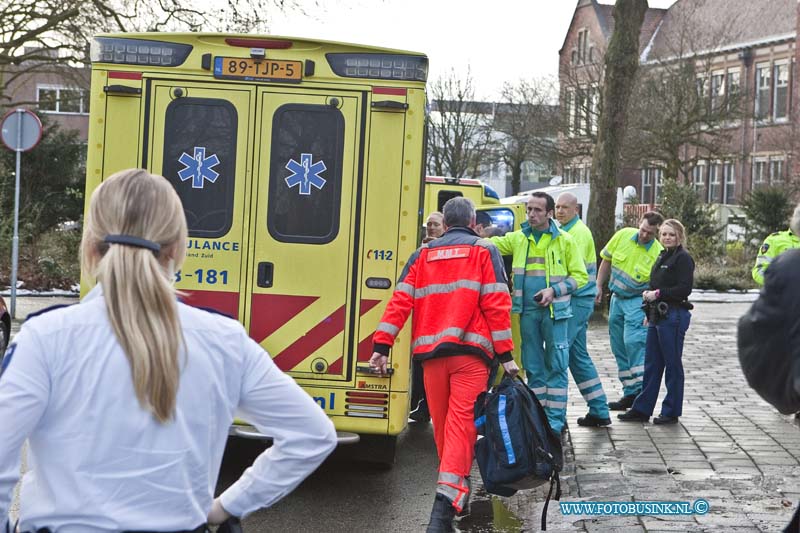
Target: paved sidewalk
[[730, 448]]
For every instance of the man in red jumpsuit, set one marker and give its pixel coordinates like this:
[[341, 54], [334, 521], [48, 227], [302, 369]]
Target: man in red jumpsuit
[[456, 287]]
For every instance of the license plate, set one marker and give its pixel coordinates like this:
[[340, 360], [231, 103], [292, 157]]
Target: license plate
[[258, 70]]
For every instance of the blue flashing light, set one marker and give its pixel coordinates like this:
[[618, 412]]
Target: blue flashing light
[[489, 192]]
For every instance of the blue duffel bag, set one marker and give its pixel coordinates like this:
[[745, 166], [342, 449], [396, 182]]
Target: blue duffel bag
[[516, 449]]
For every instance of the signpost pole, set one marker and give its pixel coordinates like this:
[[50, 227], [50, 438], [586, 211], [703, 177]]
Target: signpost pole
[[15, 239], [20, 130]]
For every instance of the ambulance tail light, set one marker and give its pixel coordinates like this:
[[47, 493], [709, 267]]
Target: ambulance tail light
[[366, 404], [138, 52], [380, 66]]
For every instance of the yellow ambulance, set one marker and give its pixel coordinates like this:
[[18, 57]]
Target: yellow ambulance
[[300, 166], [439, 189]]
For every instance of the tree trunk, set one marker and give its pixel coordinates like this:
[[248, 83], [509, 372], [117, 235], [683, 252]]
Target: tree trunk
[[516, 177], [621, 63]]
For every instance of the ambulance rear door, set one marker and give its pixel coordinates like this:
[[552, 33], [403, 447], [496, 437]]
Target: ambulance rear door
[[200, 141], [305, 231]]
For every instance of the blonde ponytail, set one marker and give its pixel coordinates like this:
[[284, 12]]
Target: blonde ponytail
[[137, 282]]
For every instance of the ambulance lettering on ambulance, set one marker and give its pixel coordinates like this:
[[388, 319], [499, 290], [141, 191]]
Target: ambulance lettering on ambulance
[[225, 246]]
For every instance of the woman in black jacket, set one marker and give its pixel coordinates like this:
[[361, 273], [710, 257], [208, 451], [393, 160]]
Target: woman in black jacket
[[668, 316]]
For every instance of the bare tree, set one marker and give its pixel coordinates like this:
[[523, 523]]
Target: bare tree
[[581, 105], [621, 64], [41, 34], [459, 128], [526, 123], [681, 106]]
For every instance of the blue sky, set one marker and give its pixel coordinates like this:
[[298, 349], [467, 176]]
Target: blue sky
[[496, 40]]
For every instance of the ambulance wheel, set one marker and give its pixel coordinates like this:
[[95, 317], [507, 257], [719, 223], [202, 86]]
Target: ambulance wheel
[[378, 450]]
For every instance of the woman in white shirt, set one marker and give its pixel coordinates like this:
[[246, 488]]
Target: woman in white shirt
[[127, 397]]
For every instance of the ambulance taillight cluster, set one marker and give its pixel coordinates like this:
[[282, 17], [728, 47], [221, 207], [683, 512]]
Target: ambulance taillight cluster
[[379, 66], [138, 52]]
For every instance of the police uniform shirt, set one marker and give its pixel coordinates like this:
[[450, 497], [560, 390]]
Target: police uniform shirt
[[98, 462]]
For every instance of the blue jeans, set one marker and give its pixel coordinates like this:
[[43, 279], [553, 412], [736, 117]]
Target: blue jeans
[[664, 352]]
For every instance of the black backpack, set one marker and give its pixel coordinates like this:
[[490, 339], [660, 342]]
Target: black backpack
[[516, 448]]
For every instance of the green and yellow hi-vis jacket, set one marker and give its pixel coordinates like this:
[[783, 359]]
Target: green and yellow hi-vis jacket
[[773, 246]]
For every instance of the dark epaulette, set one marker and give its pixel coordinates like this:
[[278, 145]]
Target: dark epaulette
[[212, 311], [46, 310]]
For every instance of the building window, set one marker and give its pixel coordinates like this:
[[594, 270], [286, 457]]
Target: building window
[[701, 87], [729, 174], [591, 55], [776, 171], [781, 92], [54, 99], [586, 171], [732, 85], [574, 57], [714, 182], [658, 178], [762, 91], [759, 173], [699, 178], [647, 185], [583, 43], [593, 111], [571, 112], [717, 90]]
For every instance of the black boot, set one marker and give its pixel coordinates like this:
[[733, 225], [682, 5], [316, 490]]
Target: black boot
[[442, 515], [421, 413]]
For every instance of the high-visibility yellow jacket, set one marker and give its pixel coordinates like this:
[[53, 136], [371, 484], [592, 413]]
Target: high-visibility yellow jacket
[[554, 261], [585, 241], [631, 262], [773, 246]]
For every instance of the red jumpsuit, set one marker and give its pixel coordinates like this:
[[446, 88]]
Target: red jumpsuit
[[456, 288]]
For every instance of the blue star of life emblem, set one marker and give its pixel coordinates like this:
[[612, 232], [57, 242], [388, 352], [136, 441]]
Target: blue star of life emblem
[[198, 168], [305, 174]]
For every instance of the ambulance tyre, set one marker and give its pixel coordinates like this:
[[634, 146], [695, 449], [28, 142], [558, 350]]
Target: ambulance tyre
[[378, 450]]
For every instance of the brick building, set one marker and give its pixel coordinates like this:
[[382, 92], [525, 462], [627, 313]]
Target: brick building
[[59, 93], [745, 47]]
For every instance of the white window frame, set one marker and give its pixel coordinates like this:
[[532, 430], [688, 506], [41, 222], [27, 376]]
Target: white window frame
[[658, 183], [759, 178], [58, 88], [714, 181], [762, 114], [717, 91], [777, 85], [647, 184], [729, 182], [699, 176], [780, 162]]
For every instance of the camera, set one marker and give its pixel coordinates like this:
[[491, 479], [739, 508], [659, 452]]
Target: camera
[[655, 311]]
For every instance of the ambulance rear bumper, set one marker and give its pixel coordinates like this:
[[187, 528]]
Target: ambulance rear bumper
[[249, 432]]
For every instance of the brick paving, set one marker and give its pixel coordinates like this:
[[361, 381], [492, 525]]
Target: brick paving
[[730, 448]]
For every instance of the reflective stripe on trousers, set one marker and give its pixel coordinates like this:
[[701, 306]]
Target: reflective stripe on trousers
[[628, 337], [580, 362], [545, 357]]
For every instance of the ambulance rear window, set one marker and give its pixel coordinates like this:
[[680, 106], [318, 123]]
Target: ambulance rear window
[[200, 161], [305, 178]]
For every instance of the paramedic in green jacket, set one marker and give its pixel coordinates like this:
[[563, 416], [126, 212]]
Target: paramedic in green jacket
[[547, 268], [580, 362], [628, 258], [773, 246]]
